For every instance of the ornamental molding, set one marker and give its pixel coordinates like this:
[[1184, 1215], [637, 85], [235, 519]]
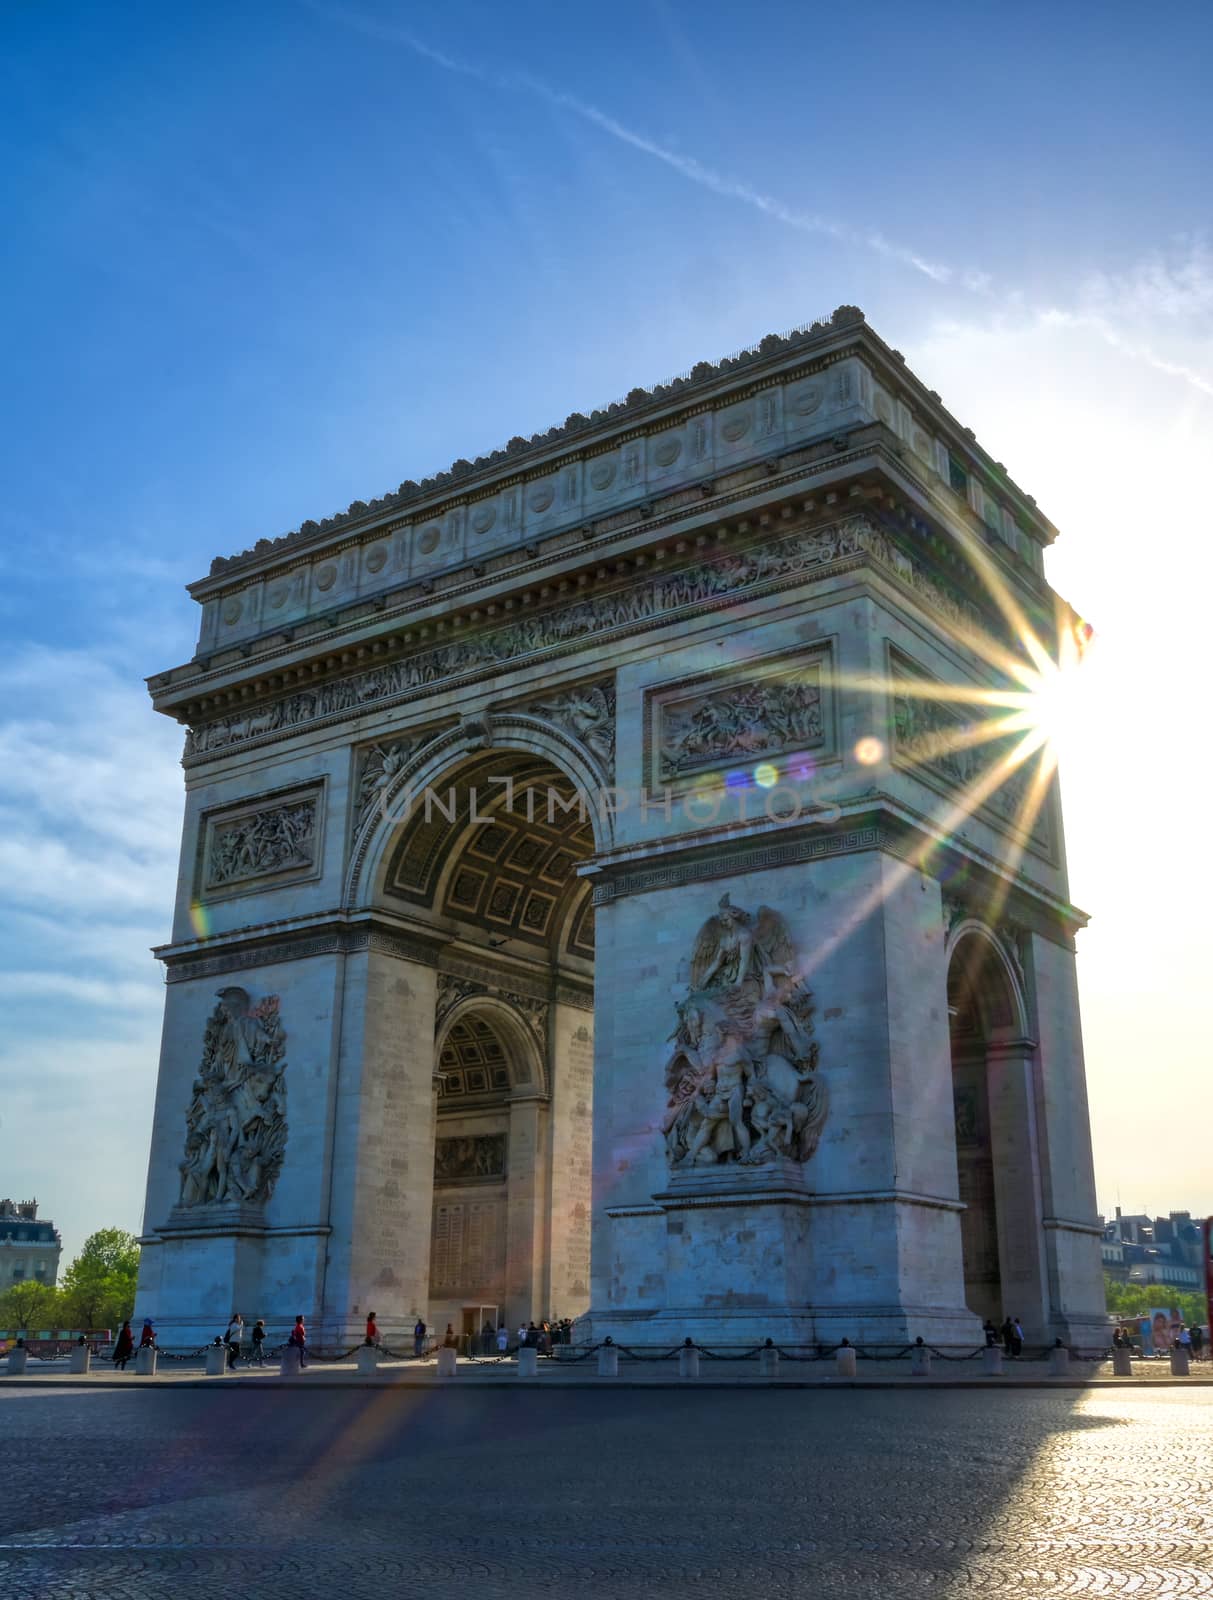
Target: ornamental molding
[[694, 590], [301, 945]]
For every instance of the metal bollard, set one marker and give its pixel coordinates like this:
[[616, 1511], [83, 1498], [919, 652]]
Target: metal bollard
[[18, 1360], [446, 1361], [290, 1365], [1122, 1363], [844, 1360], [768, 1361], [688, 1361], [368, 1360], [528, 1361], [920, 1360], [1179, 1362], [79, 1359], [608, 1361], [1059, 1361], [216, 1360], [991, 1361], [145, 1361]]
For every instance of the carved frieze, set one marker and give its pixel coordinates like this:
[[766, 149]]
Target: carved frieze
[[741, 1071], [717, 582], [954, 743], [236, 1123], [469, 1158], [744, 716], [249, 844]]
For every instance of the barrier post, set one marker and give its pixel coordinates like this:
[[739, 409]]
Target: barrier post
[[688, 1360], [844, 1360]]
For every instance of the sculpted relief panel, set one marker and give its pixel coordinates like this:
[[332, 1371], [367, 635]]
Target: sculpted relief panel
[[771, 710], [236, 1124], [741, 1072], [256, 842], [948, 741]]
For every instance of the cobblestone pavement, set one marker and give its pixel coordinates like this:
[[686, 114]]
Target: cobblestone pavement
[[825, 1494]]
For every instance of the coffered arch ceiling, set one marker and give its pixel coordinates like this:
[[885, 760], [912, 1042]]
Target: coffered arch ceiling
[[501, 855]]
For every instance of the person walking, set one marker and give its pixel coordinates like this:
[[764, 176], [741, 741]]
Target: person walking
[[234, 1338], [148, 1336], [124, 1347], [521, 1334], [449, 1341], [991, 1334], [258, 1337], [503, 1339], [1016, 1339], [1198, 1340], [419, 1338], [372, 1329], [1007, 1332], [298, 1338]]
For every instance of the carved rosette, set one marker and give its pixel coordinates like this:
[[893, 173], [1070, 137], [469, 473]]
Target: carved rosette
[[741, 1072], [236, 1123]]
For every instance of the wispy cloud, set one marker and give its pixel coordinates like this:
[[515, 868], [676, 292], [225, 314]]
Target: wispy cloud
[[686, 166]]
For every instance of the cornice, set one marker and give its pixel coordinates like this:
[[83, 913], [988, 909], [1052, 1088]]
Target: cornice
[[581, 437]]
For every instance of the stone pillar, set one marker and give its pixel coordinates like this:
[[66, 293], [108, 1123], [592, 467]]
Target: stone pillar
[[447, 1364], [920, 1361], [145, 1361], [383, 1142], [528, 1362], [1015, 1149], [1122, 1363], [844, 1362], [18, 1360], [991, 1361], [608, 1361], [572, 1068], [527, 1285], [768, 1362], [80, 1359], [216, 1361], [1059, 1361], [290, 1365], [1179, 1361], [688, 1362], [368, 1361]]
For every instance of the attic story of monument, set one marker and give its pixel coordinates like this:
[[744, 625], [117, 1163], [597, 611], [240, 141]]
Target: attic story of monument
[[622, 878]]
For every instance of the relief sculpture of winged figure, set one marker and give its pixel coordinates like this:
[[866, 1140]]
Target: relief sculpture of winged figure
[[741, 1072]]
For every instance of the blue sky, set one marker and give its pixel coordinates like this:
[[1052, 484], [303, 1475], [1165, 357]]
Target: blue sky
[[261, 261]]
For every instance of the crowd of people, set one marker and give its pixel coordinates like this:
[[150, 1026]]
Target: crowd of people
[[1157, 1335]]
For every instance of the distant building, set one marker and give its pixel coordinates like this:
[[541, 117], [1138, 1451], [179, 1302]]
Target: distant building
[[29, 1248], [1164, 1250]]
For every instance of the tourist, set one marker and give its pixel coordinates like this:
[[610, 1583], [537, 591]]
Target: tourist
[[486, 1338], [1198, 1339], [1016, 1339], [124, 1347], [1184, 1340], [234, 1338], [298, 1339], [1007, 1332], [991, 1333], [258, 1337], [449, 1341], [503, 1339], [522, 1334], [419, 1338], [372, 1329], [148, 1336]]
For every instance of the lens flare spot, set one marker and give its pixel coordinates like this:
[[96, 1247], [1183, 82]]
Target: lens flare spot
[[737, 780], [766, 776], [869, 751], [200, 920]]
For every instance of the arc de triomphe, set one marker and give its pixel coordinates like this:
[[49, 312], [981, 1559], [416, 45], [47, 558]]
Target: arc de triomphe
[[601, 894]]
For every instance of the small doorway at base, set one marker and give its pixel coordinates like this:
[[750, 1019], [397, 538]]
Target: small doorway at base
[[475, 1341]]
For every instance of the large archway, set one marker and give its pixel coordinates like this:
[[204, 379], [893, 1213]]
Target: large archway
[[485, 857], [997, 1152]]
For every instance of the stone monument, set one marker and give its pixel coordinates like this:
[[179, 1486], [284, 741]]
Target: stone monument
[[611, 887]]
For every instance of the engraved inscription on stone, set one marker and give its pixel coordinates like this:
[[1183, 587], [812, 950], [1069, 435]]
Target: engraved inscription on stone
[[467, 1246], [469, 1158]]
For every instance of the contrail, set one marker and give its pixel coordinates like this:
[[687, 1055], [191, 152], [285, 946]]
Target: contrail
[[687, 166]]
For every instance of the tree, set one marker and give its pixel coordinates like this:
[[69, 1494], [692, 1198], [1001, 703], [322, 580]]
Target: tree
[[28, 1306], [1127, 1300], [98, 1289]]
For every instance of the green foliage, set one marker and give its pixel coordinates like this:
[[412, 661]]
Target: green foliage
[[1126, 1300], [29, 1306], [98, 1289]]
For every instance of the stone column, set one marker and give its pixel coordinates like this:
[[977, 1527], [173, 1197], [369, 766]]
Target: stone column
[[383, 1144], [527, 1282], [1014, 1147]]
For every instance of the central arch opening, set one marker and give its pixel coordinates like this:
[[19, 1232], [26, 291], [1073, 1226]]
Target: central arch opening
[[488, 856]]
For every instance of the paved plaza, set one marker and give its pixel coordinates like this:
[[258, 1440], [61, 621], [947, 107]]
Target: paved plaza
[[594, 1492]]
